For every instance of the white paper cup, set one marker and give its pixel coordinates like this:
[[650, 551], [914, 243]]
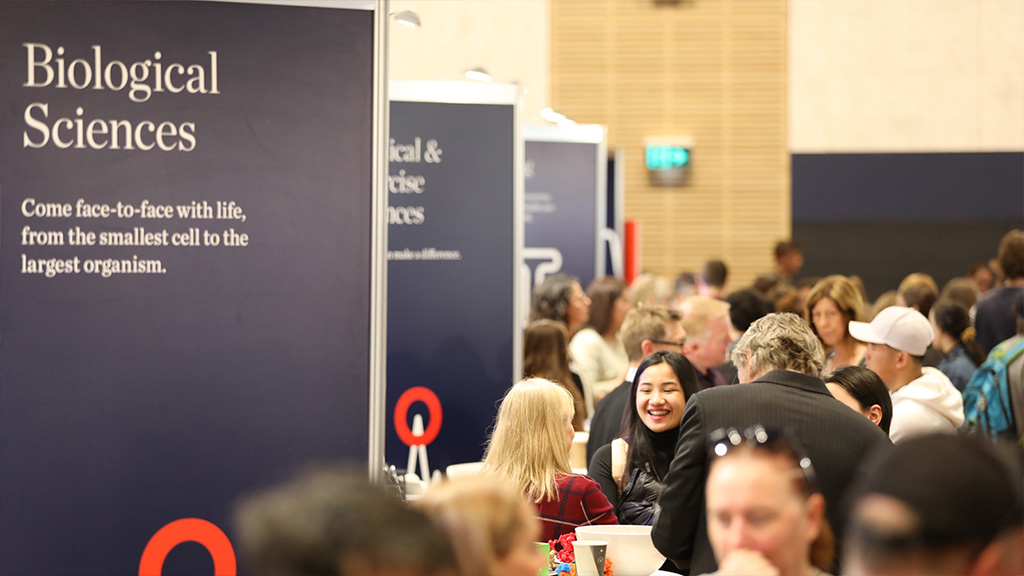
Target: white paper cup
[[590, 555]]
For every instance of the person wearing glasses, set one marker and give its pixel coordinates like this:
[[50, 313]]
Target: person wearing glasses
[[561, 298], [764, 508], [645, 330], [631, 467], [779, 361]]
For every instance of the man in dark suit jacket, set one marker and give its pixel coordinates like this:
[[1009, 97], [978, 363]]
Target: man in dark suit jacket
[[778, 362]]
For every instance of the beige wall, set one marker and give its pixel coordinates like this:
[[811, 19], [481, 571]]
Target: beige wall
[[509, 38], [708, 69], [750, 81], [906, 75]]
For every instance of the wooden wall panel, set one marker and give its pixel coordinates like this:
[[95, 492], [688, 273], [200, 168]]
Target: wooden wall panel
[[714, 70]]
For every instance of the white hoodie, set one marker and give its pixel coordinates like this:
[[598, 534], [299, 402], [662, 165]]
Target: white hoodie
[[928, 405]]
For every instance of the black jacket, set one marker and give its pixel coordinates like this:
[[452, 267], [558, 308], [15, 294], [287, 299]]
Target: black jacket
[[836, 438]]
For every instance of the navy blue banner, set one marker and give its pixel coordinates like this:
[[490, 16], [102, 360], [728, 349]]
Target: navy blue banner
[[564, 192], [185, 271], [451, 275]]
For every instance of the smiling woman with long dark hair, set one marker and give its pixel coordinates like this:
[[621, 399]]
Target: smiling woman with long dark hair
[[631, 468]]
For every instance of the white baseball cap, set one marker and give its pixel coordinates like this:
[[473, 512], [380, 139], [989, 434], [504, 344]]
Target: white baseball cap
[[898, 327]]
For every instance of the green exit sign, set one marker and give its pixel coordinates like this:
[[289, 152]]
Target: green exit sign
[[665, 157]]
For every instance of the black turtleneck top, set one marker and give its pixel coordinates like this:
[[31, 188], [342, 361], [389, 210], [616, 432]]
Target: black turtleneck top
[[600, 469], [664, 444]]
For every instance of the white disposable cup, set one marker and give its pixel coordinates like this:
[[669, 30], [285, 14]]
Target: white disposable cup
[[590, 555]]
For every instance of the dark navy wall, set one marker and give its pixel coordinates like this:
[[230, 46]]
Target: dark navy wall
[[883, 216]]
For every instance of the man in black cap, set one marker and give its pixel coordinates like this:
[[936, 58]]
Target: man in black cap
[[938, 505]]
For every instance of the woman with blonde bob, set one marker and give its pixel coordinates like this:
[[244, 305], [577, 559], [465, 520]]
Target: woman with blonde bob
[[529, 446], [832, 304], [491, 525]]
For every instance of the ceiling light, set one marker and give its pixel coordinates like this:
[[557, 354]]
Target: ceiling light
[[407, 17], [478, 74], [556, 117]]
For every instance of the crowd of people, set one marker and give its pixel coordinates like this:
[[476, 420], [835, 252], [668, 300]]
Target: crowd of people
[[792, 427]]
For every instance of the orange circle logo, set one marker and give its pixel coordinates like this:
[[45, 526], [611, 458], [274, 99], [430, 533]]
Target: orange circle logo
[[188, 530], [427, 396]]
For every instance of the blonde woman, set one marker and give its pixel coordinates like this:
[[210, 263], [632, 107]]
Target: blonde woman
[[530, 447], [492, 527], [832, 304]]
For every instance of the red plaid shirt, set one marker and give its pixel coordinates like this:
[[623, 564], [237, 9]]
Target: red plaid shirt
[[580, 502]]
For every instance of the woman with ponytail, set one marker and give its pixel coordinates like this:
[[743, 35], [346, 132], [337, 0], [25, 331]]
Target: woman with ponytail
[[955, 338]]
